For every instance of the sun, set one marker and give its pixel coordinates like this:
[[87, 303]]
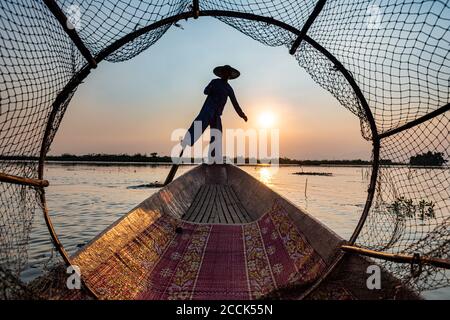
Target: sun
[[266, 119]]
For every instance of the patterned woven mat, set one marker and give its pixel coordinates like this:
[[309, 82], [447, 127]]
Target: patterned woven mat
[[207, 261]]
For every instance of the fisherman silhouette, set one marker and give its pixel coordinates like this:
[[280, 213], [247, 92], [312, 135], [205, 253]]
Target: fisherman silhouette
[[218, 92]]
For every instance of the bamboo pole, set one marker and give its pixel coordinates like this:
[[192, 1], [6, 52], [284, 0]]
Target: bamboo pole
[[399, 258], [306, 187], [316, 11], [71, 32], [196, 8], [173, 170], [23, 181]]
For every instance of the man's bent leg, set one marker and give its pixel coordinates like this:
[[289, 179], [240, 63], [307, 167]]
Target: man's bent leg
[[195, 131]]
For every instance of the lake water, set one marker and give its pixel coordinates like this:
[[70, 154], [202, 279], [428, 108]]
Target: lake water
[[84, 199]]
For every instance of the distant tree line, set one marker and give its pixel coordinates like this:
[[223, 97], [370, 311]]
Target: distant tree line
[[155, 158], [357, 162], [100, 157], [137, 157], [425, 159]]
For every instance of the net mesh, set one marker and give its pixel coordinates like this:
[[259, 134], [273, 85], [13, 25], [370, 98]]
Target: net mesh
[[396, 51], [410, 213]]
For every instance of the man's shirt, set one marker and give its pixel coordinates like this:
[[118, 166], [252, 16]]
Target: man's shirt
[[218, 92]]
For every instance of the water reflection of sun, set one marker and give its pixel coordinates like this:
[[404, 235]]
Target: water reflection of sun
[[265, 175]]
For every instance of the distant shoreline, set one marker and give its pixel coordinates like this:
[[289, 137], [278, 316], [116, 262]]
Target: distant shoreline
[[328, 165], [154, 159], [422, 160], [122, 163], [56, 160]]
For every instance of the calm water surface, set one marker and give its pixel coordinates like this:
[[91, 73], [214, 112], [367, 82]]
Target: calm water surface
[[84, 199]]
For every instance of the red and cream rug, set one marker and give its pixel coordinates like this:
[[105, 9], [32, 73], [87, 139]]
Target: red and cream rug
[[208, 261]]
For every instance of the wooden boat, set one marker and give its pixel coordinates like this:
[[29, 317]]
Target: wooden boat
[[218, 233]]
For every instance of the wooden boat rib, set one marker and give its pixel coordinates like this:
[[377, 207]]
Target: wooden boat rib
[[218, 233]]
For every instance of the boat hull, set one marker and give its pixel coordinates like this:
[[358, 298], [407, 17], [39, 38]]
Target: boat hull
[[218, 233]]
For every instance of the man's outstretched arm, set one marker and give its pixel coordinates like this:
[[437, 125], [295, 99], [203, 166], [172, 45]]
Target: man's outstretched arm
[[236, 106]]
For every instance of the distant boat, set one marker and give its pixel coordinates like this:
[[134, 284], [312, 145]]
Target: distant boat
[[218, 233]]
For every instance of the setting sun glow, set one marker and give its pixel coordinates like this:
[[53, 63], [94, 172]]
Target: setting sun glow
[[266, 120]]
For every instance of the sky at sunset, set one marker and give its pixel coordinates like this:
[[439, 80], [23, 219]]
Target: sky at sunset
[[133, 107]]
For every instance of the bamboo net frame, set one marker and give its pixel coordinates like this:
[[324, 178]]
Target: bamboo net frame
[[403, 107]]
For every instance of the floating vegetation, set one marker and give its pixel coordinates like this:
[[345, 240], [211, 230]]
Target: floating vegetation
[[326, 174], [405, 208], [428, 159], [150, 185]]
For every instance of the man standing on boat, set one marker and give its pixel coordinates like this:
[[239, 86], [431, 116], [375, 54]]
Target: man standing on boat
[[218, 92]]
